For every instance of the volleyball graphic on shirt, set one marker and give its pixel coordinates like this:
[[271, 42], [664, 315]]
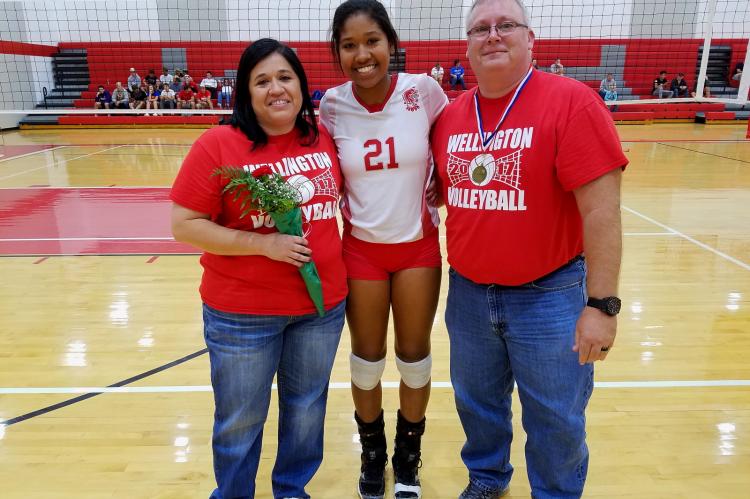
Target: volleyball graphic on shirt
[[483, 168], [304, 187]]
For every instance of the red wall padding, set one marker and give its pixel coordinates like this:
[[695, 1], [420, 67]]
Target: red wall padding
[[20, 48], [644, 58]]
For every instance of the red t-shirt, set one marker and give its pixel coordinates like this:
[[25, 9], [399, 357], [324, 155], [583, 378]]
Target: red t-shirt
[[256, 284], [512, 216], [185, 94], [203, 95]]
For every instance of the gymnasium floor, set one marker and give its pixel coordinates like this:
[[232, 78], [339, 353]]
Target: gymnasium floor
[[95, 294]]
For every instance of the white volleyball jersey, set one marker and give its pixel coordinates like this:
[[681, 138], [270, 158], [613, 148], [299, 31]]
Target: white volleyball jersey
[[385, 157]]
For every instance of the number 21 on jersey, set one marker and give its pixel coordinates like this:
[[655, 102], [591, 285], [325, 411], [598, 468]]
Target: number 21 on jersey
[[374, 149]]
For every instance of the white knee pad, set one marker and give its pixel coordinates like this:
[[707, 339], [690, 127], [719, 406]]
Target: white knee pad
[[415, 375], [365, 374]]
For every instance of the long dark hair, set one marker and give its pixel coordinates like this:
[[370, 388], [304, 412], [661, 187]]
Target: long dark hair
[[243, 114], [372, 9]]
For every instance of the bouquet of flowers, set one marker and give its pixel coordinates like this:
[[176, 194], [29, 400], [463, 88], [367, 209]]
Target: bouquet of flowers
[[267, 191]]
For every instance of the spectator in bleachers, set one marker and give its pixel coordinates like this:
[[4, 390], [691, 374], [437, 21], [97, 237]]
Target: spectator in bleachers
[[534, 64], [120, 97], [679, 86], [737, 76], [608, 88], [103, 98], [137, 98], [167, 99], [203, 99], [437, 73], [660, 89], [134, 80], [186, 98], [225, 94], [187, 81], [457, 75], [151, 78], [165, 77], [152, 97], [209, 82], [176, 84], [557, 67]]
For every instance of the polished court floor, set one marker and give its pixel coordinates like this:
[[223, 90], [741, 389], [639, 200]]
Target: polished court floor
[[104, 386]]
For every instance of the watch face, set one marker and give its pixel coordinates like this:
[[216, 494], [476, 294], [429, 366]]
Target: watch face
[[613, 305]]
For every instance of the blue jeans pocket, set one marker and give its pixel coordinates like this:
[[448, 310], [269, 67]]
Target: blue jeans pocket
[[568, 276]]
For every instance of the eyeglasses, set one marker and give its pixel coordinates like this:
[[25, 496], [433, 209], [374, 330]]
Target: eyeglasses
[[481, 32]]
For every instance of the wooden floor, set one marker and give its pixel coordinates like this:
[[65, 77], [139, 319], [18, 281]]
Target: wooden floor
[[670, 417]]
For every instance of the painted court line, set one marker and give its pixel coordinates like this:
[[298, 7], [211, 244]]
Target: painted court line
[[649, 234], [84, 187], [696, 141], [636, 234], [30, 154], [688, 238], [40, 239], [347, 386], [62, 162]]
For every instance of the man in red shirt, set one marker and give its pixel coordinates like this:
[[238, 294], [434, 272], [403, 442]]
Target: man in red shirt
[[203, 99], [529, 167], [186, 98]]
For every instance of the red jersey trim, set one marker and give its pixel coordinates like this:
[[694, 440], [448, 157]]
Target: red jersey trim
[[376, 108]]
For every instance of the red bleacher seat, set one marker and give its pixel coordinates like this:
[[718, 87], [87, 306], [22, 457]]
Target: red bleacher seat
[[644, 58], [720, 115], [80, 119], [632, 116]]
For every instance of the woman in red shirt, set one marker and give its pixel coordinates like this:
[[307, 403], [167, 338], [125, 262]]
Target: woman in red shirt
[[258, 318]]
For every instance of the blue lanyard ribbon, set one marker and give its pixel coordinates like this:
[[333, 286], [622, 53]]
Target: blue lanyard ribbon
[[480, 127]]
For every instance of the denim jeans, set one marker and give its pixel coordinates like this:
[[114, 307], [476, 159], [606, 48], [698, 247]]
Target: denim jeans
[[662, 94], [457, 80], [525, 334], [246, 351], [223, 97]]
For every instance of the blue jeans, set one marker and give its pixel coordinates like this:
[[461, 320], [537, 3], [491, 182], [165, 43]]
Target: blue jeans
[[457, 80], [246, 351], [525, 334], [223, 97]]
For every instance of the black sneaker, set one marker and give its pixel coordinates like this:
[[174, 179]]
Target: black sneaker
[[374, 458], [406, 459], [406, 477], [474, 491]]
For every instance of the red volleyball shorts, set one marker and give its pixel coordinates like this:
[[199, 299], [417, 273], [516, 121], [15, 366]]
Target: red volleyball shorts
[[377, 261]]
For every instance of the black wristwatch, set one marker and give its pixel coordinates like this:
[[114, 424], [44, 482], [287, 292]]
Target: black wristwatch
[[609, 305]]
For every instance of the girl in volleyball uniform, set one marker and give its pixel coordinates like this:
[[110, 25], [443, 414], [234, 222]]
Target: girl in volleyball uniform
[[381, 124], [386, 161]]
